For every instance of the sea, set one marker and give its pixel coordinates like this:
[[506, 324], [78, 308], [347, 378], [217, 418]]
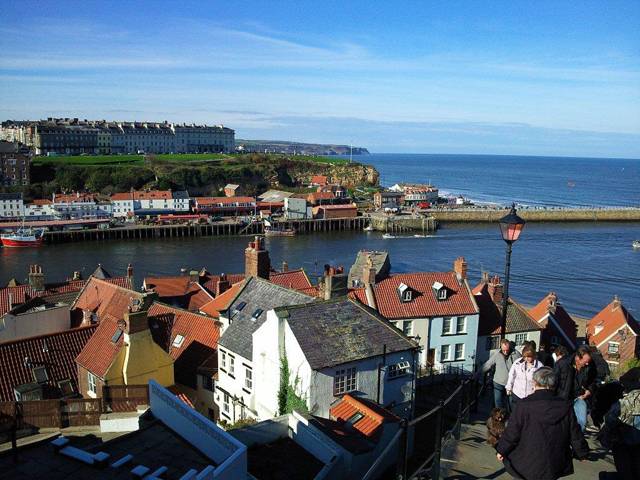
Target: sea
[[586, 264]]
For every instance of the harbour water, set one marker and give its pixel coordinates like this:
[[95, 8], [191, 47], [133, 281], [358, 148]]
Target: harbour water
[[584, 263]]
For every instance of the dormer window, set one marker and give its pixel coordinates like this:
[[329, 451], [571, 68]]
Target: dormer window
[[405, 293], [440, 291], [177, 342], [599, 328]]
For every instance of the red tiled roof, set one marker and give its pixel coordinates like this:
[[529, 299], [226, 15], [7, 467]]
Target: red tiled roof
[[191, 295], [74, 198], [211, 281], [181, 395], [150, 195], [106, 299], [100, 352], [608, 321], [292, 279], [369, 424], [41, 201], [200, 339], [348, 206], [424, 303], [560, 315], [223, 301], [319, 179], [315, 196], [55, 351], [14, 296]]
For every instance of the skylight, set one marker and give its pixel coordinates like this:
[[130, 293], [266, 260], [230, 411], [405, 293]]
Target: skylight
[[116, 336], [240, 306], [177, 342], [40, 374], [257, 314]]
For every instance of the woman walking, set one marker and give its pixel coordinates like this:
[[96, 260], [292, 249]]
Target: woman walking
[[520, 383]]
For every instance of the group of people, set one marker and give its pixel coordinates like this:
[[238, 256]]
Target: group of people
[[548, 398]]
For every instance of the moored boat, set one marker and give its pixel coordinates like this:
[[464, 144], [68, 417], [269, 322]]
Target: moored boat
[[635, 244], [279, 232], [23, 237]]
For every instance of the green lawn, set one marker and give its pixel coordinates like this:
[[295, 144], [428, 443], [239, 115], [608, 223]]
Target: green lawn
[[321, 159]]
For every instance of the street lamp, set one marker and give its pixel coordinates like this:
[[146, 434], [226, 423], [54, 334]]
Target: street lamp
[[511, 226]]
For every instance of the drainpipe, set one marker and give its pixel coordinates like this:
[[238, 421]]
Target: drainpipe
[[380, 367]]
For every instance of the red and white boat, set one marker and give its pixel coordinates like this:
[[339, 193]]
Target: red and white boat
[[23, 237]]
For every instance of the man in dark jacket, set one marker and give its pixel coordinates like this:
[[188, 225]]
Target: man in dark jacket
[[584, 383], [542, 435], [564, 373]]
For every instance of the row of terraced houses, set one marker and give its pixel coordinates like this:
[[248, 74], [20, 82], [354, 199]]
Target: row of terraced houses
[[73, 136]]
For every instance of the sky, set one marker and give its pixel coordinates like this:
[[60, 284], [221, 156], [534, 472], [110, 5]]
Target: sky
[[503, 77]]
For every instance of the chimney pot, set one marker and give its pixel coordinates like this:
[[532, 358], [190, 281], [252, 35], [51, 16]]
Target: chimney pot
[[460, 267]]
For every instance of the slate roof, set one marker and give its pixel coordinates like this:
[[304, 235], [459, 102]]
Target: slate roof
[[611, 318], [424, 303], [101, 273], [56, 351], [518, 319], [380, 262], [200, 342], [339, 331], [256, 293]]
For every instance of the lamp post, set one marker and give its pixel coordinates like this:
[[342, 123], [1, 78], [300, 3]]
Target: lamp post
[[511, 226]]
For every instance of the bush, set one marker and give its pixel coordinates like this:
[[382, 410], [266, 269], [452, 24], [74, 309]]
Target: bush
[[625, 367]]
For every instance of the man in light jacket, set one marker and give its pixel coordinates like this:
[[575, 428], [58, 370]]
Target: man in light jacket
[[502, 360]]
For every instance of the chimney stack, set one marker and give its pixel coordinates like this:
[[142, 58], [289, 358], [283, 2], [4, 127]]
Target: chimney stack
[[496, 289], [616, 302], [36, 277], [194, 276], [334, 282], [553, 300], [285, 266], [222, 285], [369, 272], [460, 267], [256, 259], [485, 277], [130, 271], [135, 322], [77, 276]]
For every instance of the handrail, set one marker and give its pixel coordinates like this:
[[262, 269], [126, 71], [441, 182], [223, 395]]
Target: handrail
[[383, 454]]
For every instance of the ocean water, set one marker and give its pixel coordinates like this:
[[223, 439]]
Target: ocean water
[[534, 181], [584, 263]]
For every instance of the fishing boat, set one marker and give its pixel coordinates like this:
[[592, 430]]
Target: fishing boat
[[388, 235], [270, 231], [368, 228], [635, 244], [23, 237]]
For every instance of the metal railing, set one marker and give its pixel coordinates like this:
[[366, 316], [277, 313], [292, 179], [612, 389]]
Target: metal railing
[[429, 432]]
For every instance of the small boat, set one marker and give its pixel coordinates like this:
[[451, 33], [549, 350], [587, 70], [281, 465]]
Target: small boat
[[368, 228], [635, 244], [279, 232], [388, 235], [23, 237]]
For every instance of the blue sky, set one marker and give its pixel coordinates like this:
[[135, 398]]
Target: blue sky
[[546, 78]]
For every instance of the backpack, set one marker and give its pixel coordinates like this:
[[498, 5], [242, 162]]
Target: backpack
[[630, 418]]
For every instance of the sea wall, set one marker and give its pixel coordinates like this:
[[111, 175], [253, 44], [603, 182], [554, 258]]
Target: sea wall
[[560, 215]]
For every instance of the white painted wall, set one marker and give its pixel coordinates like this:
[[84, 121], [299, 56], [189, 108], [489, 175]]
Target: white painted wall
[[234, 385]]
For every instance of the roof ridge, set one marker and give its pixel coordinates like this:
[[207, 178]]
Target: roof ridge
[[260, 279], [382, 320], [171, 307]]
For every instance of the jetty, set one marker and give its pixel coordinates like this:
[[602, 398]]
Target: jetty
[[492, 215]]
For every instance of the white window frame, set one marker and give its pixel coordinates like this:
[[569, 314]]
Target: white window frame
[[232, 365], [407, 296], [442, 294], [455, 352], [223, 359], [442, 350], [613, 344], [526, 337], [408, 331], [226, 402], [92, 384], [464, 325], [448, 331], [248, 378], [398, 370], [345, 381]]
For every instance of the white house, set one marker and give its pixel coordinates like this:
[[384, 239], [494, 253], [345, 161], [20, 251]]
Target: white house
[[245, 313], [436, 308], [11, 205], [150, 202], [332, 348]]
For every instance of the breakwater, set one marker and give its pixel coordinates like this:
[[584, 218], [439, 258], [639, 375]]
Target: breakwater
[[202, 230], [540, 215]]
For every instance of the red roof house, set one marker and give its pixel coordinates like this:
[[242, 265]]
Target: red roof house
[[615, 332], [559, 327], [45, 360]]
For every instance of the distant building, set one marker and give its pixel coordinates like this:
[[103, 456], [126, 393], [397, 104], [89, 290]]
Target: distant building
[[225, 205], [15, 159], [416, 193], [388, 199], [233, 190], [150, 202], [559, 327], [11, 205], [335, 211], [297, 209], [318, 181], [72, 136]]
